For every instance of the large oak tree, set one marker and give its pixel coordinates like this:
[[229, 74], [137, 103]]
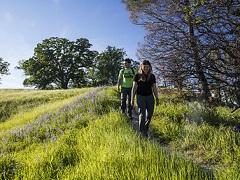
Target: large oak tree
[[58, 62]]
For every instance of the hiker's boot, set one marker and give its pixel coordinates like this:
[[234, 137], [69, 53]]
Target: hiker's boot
[[130, 116]]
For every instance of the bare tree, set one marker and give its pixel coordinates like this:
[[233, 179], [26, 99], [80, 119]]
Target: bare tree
[[182, 36]]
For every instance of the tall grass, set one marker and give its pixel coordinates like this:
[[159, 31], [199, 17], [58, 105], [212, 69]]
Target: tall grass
[[203, 134], [96, 142], [50, 125], [105, 149], [14, 101]]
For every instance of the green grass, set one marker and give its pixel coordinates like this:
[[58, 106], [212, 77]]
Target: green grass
[[28, 115], [106, 149], [203, 134], [51, 124], [13, 101], [81, 135]]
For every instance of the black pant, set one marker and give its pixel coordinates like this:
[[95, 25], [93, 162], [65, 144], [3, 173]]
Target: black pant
[[145, 110], [126, 100]]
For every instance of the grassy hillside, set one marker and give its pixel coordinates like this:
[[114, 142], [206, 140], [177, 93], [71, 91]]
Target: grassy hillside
[[80, 134], [206, 135]]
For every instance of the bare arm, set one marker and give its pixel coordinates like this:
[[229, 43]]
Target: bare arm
[[134, 90], [119, 83], [120, 79]]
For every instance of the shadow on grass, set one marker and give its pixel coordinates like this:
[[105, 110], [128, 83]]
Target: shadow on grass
[[213, 119]]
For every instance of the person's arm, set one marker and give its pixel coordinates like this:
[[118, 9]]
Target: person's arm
[[119, 83], [134, 90], [120, 78], [155, 92]]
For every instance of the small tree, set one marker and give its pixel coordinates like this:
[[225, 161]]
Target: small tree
[[3, 67], [108, 64]]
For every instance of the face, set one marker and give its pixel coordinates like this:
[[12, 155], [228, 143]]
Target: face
[[126, 64], [145, 68]]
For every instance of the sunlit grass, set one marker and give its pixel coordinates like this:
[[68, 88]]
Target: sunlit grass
[[50, 126], [29, 115], [14, 101], [85, 137], [204, 134], [106, 149], [110, 150]]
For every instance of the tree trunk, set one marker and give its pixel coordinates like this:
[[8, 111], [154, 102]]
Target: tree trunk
[[64, 85], [198, 65]]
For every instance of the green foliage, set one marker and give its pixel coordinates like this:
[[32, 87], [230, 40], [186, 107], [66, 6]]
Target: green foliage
[[8, 167], [175, 112], [48, 127], [119, 154], [58, 62], [108, 64], [60, 155], [3, 67], [85, 139]]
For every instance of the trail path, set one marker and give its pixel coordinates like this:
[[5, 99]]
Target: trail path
[[134, 120], [166, 148]]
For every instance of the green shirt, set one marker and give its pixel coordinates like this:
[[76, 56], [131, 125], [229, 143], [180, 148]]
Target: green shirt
[[127, 76]]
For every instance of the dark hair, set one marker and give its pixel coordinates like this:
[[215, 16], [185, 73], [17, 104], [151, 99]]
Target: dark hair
[[128, 60], [146, 62]]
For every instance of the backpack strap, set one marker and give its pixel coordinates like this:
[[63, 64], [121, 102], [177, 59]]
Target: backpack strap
[[131, 69]]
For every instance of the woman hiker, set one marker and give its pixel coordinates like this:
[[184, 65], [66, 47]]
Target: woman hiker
[[144, 87]]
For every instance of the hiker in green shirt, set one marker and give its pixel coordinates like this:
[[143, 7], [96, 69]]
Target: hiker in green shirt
[[125, 81]]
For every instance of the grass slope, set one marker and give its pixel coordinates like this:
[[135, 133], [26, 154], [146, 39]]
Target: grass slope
[[83, 136]]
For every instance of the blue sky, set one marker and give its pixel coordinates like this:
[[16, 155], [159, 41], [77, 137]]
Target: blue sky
[[24, 23]]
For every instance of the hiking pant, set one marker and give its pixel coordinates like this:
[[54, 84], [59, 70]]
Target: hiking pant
[[126, 100], [145, 110]]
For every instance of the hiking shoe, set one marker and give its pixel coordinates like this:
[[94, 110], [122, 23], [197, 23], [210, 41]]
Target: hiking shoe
[[130, 116]]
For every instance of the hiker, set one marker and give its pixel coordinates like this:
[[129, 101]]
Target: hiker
[[144, 86], [125, 81]]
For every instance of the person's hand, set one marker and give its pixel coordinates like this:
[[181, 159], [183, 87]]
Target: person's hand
[[132, 102], [157, 101]]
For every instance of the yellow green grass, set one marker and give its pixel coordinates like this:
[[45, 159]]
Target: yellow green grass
[[13, 101], [26, 116], [203, 134], [106, 149], [85, 137]]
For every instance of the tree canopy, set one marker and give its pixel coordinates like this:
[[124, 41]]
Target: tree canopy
[[3, 67], [58, 62], [108, 63]]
